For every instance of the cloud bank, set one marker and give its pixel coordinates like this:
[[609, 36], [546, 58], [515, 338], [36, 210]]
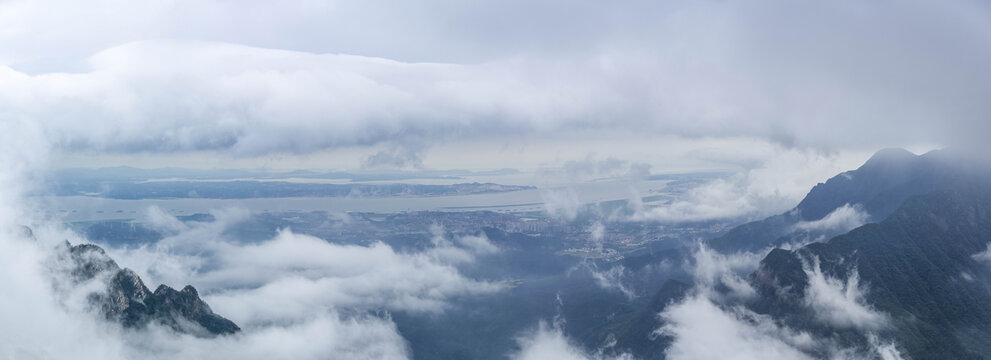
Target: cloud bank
[[295, 296], [691, 69], [291, 276]]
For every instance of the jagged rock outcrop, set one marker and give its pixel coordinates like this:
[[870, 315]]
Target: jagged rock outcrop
[[129, 302]]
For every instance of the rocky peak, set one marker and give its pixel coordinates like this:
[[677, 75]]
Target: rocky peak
[[189, 289], [88, 261], [890, 157], [129, 302], [186, 304]]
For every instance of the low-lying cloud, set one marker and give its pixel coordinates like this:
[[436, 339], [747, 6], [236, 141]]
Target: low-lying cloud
[[773, 180], [840, 303], [843, 219], [707, 324], [548, 342], [321, 336], [295, 296], [702, 330], [712, 269], [293, 275], [288, 277], [983, 256], [562, 202]]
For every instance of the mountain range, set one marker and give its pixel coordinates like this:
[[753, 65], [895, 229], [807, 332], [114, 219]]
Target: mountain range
[[910, 259]]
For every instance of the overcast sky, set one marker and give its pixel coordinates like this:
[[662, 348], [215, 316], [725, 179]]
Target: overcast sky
[[469, 84]]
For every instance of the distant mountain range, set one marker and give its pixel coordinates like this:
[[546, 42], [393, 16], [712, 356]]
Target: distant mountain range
[[177, 183], [248, 189], [128, 173]]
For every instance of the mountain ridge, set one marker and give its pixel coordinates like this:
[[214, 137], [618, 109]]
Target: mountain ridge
[[876, 188], [920, 269]]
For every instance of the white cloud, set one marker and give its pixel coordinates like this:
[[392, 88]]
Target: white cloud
[[42, 323], [843, 219], [288, 278], [706, 324], [712, 269], [321, 336], [885, 350], [181, 95], [36, 325], [479, 244], [549, 343], [773, 180], [562, 202], [295, 296], [597, 232], [299, 273], [162, 221], [709, 325], [612, 279], [639, 75], [983, 256], [702, 330], [840, 303], [204, 92]]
